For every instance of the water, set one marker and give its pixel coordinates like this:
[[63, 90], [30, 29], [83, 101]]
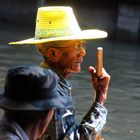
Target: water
[[121, 60]]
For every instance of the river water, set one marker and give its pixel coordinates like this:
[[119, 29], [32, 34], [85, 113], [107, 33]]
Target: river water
[[121, 60]]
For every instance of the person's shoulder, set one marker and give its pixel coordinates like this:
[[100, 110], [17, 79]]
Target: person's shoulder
[[6, 132], [8, 136]]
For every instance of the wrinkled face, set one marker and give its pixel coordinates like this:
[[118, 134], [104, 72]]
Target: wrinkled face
[[72, 56], [64, 56]]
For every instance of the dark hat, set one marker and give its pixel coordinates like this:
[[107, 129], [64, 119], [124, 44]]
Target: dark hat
[[32, 88]]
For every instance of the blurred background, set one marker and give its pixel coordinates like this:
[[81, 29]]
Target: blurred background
[[121, 19]]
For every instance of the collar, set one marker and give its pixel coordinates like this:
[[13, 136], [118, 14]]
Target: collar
[[62, 81], [44, 64]]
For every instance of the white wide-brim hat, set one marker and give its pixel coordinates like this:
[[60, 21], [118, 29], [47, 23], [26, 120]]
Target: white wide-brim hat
[[56, 23]]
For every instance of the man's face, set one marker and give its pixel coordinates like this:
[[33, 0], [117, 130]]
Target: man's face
[[72, 57], [64, 56]]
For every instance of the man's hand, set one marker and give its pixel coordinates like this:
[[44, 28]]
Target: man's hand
[[100, 84]]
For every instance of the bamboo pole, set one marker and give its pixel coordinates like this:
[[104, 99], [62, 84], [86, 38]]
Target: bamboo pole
[[99, 61], [99, 66]]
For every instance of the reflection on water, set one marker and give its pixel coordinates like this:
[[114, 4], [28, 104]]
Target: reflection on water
[[122, 62]]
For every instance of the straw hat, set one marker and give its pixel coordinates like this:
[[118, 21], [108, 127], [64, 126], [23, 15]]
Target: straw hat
[[32, 88], [57, 23]]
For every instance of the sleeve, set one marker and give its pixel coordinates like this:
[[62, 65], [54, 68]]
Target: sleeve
[[91, 124]]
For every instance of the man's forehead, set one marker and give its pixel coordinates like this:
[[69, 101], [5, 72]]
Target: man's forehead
[[68, 41], [71, 42], [63, 43]]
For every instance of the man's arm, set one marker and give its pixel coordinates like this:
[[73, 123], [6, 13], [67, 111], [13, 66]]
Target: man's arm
[[95, 119]]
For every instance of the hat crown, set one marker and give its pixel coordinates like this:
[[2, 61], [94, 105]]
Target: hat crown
[[30, 83], [55, 21]]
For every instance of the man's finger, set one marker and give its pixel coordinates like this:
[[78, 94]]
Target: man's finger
[[92, 71]]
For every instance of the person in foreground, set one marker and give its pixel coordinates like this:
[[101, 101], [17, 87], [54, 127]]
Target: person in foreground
[[61, 42], [29, 100]]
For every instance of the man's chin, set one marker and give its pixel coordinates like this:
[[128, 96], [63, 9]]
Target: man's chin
[[76, 70]]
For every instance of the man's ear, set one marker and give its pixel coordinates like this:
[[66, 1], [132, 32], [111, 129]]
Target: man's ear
[[53, 54]]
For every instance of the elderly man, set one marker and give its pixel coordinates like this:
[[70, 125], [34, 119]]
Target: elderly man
[[61, 42], [29, 99]]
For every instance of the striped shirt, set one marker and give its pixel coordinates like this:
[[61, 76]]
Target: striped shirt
[[10, 130]]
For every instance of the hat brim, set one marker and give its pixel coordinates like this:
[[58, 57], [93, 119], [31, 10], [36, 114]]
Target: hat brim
[[85, 34], [38, 105]]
